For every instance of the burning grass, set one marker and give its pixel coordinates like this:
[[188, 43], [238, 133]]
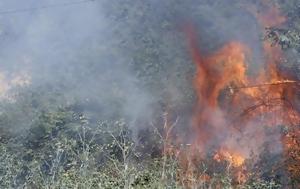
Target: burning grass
[[235, 127], [244, 128]]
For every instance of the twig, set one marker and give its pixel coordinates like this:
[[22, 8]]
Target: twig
[[265, 85]]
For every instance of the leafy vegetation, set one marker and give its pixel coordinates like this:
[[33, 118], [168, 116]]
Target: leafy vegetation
[[65, 150], [50, 141]]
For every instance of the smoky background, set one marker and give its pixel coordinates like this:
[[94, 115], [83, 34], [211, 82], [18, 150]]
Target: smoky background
[[111, 59]]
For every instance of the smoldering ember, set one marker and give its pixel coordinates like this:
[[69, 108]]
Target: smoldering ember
[[195, 94]]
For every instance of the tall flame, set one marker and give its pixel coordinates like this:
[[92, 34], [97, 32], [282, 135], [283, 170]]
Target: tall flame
[[265, 99]]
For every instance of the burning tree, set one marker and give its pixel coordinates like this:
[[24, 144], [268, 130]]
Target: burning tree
[[211, 99], [237, 108]]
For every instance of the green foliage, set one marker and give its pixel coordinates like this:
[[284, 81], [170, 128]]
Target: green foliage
[[261, 184], [72, 152], [287, 36], [10, 168], [45, 142]]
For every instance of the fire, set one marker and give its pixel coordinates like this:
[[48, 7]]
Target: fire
[[226, 68], [234, 159], [265, 98]]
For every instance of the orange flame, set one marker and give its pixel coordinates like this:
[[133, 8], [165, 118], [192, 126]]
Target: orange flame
[[268, 102], [235, 159]]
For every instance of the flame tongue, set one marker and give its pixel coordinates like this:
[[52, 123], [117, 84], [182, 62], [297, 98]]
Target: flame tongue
[[264, 99], [233, 107], [213, 74], [234, 159]]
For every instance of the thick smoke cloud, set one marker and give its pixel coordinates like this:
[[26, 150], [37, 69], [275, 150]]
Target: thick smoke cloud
[[74, 49], [117, 57]]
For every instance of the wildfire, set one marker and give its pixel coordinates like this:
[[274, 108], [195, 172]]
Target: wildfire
[[234, 159], [263, 99]]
